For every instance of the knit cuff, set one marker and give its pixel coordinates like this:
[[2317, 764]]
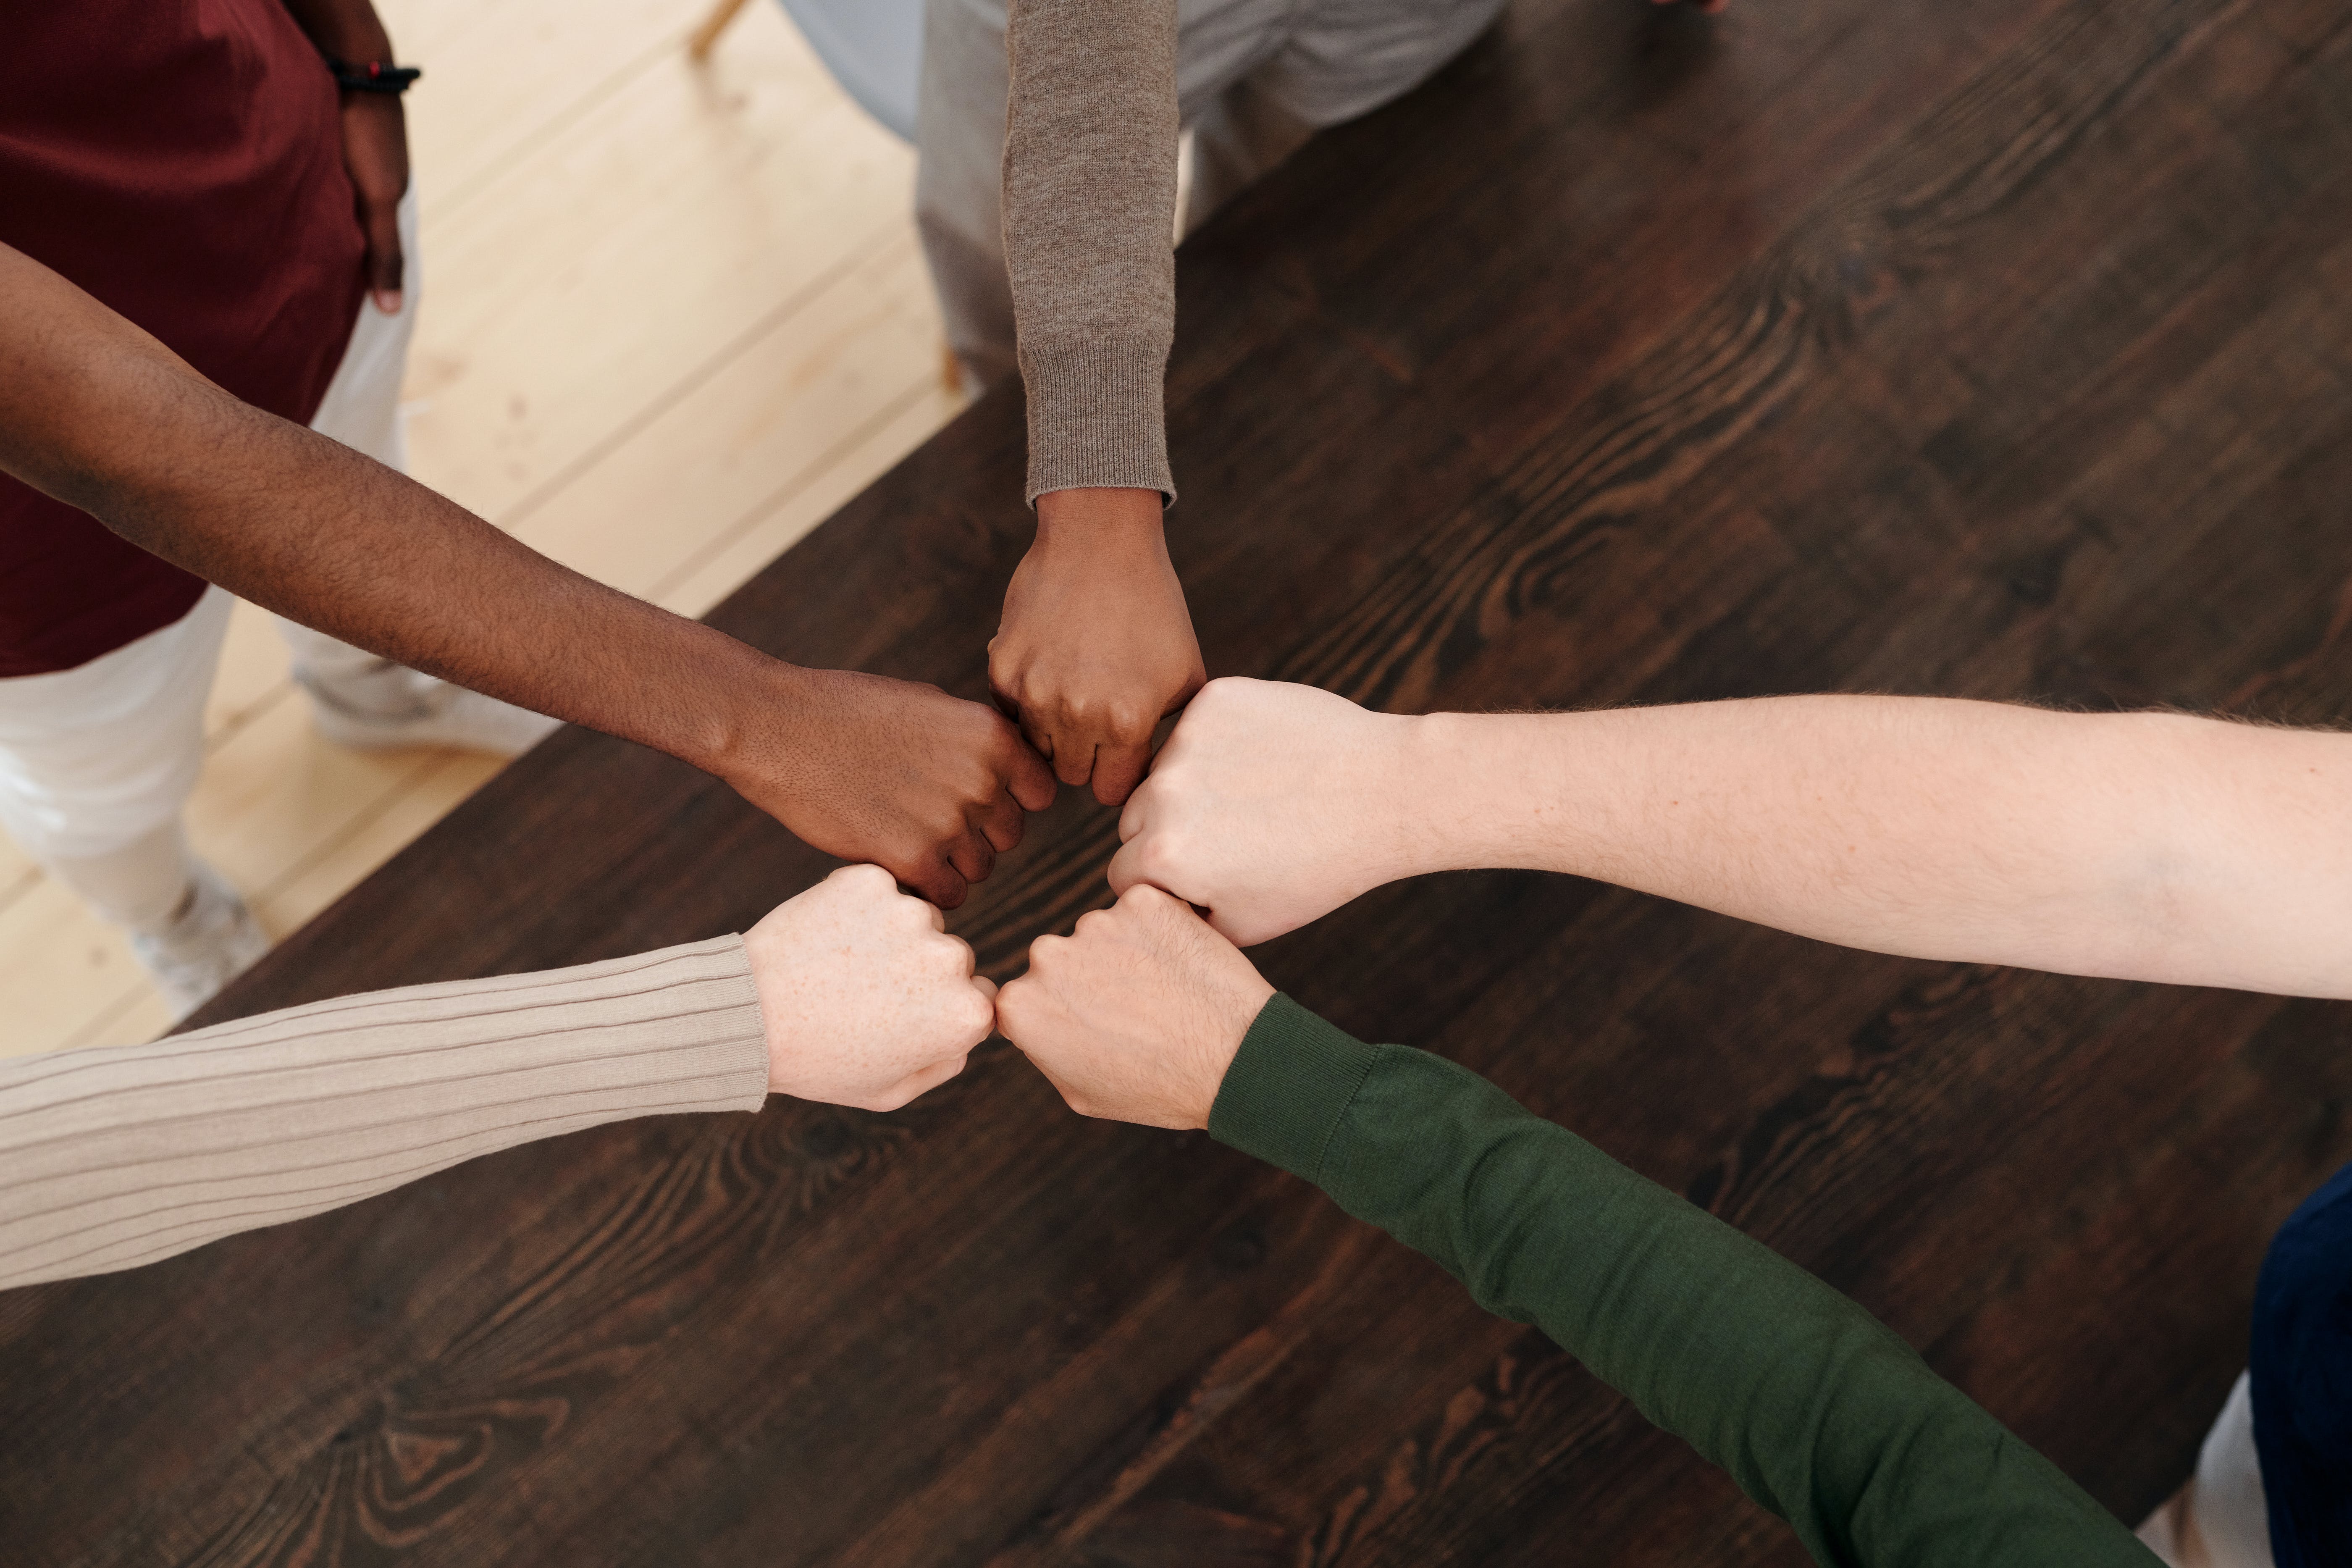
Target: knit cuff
[[1097, 418], [1289, 1088]]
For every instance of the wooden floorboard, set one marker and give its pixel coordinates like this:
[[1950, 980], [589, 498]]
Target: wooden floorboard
[[2001, 349]]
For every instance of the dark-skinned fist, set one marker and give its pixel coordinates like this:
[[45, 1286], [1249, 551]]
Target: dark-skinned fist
[[928, 786], [1096, 645]]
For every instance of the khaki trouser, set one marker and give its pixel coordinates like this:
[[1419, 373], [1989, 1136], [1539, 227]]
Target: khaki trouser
[[1254, 79]]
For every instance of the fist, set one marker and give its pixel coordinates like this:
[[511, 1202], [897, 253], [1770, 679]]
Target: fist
[[1136, 1015], [1271, 805], [864, 998], [926, 786], [1097, 644]]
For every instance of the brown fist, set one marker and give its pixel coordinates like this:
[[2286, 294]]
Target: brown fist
[[1096, 645]]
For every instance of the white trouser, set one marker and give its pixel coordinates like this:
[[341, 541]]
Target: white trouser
[[97, 761], [1254, 79], [2225, 1501]]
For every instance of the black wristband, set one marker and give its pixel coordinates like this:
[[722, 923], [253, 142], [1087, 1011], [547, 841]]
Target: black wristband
[[375, 76]]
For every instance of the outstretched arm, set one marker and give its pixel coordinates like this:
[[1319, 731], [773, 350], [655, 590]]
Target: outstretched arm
[[1817, 1410], [2135, 845], [1096, 643], [98, 414], [119, 1156]]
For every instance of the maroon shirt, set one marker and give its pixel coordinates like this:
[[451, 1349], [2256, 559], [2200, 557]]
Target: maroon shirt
[[181, 160]]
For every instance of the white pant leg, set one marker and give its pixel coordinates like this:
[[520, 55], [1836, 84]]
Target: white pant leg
[[2221, 1519], [1335, 60], [96, 762], [361, 410], [2231, 1513]]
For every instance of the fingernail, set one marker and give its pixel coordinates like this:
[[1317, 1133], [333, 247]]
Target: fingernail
[[388, 302]]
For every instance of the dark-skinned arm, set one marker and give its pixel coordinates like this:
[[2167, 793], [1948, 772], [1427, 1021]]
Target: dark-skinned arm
[[98, 414], [375, 134]]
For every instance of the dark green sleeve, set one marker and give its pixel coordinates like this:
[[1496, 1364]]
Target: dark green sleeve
[[1818, 1411]]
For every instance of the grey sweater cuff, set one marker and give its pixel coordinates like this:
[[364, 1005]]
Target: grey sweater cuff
[[1096, 417]]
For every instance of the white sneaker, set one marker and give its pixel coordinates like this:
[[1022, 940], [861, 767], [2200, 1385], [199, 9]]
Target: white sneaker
[[210, 941], [393, 706]]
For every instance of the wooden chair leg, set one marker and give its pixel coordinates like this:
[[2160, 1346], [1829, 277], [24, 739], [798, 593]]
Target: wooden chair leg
[[698, 45]]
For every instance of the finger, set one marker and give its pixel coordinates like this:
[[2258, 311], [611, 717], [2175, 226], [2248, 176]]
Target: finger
[[1073, 756], [1118, 769], [1131, 820], [386, 263], [1008, 703], [1030, 777], [939, 882], [1189, 691], [1003, 822], [1009, 1001], [972, 855], [1126, 868], [1145, 897], [998, 693]]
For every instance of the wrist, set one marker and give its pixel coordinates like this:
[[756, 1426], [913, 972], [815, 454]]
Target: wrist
[[1480, 790], [1097, 520], [1422, 818], [739, 696], [355, 40]]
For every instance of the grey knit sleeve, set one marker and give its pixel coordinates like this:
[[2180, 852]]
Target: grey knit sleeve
[[115, 1156], [1089, 210]]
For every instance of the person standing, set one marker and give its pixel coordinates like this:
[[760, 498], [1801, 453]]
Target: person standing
[[232, 175]]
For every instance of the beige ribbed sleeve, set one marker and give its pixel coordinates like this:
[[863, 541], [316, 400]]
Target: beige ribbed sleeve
[[1089, 208], [116, 1156]]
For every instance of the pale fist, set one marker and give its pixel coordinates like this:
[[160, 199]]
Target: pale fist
[[1271, 805], [1136, 1015], [864, 998], [1096, 646]]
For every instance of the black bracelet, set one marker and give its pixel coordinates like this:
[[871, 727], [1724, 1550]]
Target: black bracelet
[[375, 76]]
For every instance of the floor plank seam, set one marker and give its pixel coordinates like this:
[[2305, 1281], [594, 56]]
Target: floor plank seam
[[520, 511], [528, 145], [784, 496]]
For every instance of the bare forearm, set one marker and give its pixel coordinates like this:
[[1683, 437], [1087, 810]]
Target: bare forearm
[[2136, 846], [306, 527], [101, 416]]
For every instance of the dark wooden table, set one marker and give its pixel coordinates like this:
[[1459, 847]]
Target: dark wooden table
[[2000, 349]]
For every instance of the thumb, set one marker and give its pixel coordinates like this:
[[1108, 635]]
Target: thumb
[[386, 263]]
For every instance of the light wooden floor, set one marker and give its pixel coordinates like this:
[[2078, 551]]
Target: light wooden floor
[[672, 317]]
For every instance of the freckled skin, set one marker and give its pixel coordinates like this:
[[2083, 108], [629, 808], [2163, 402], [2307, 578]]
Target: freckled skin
[[864, 998]]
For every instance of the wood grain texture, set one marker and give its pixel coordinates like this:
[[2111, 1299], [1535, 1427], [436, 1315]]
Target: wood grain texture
[[2001, 349]]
